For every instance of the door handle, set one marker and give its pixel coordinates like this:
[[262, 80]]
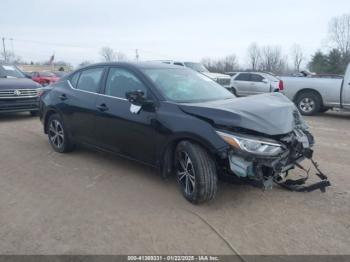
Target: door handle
[[63, 97], [102, 107]]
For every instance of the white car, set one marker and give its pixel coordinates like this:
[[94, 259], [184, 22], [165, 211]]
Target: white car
[[222, 79], [254, 83]]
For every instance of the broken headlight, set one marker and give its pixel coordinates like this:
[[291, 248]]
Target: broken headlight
[[251, 144]]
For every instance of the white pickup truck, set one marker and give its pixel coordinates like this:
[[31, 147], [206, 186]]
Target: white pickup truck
[[315, 95]]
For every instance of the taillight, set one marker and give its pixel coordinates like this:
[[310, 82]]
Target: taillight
[[280, 85]]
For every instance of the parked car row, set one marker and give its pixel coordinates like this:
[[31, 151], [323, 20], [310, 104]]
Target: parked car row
[[19, 91], [313, 94]]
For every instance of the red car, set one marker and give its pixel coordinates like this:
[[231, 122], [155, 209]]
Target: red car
[[44, 78]]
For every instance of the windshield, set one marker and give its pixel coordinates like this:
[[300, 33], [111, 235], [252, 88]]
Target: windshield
[[196, 67], [10, 71], [186, 86]]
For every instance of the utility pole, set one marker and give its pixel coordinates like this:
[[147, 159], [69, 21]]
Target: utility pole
[[13, 50], [3, 45], [137, 55]]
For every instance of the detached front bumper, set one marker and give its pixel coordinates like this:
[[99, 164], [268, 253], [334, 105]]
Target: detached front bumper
[[265, 171]]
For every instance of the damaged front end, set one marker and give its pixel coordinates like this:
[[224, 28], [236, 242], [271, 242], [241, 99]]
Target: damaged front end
[[264, 161]]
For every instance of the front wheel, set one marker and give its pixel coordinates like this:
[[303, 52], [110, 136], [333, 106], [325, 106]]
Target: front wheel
[[196, 172], [58, 135]]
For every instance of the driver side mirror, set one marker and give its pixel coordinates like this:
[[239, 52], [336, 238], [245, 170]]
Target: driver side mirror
[[137, 100], [136, 97]]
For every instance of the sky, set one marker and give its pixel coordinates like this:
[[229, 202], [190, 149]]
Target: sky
[[75, 30]]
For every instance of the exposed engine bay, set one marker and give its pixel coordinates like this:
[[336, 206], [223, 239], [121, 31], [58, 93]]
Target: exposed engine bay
[[265, 170]]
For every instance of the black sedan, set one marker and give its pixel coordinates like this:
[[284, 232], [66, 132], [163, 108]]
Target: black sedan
[[17, 93], [178, 120]]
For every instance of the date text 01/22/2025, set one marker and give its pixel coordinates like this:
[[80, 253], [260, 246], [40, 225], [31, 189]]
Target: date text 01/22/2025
[[173, 258]]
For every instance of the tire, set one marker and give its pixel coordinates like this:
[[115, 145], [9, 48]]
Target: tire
[[233, 91], [34, 113], [58, 136], [308, 103], [195, 172]]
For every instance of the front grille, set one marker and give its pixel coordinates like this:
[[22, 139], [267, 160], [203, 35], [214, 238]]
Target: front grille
[[18, 104], [18, 93], [224, 81]]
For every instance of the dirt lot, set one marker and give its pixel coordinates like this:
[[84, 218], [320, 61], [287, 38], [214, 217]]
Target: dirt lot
[[89, 202]]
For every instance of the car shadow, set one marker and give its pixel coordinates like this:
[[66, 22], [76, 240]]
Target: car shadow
[[337, 114], [332, 115], [230, 192], [10, 117]]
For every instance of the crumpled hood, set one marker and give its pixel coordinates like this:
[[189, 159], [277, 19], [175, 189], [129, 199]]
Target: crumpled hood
[[17, 83], [215, 75], [270, 114]]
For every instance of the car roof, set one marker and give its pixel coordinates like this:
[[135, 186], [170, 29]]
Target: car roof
[[138, 65]]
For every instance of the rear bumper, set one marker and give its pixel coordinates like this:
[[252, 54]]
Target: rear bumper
[[19, 105]]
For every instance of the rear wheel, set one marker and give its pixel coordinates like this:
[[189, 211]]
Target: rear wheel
[[308, 103], [196, 172], [58, 135]]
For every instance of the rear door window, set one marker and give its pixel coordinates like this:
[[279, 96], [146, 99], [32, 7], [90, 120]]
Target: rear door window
[[90, 79], [243, 77], [256, 78]]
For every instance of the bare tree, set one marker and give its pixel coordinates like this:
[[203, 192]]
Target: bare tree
[[207, 62], [121, 56], [227, 64], [107, 54], [84, 63], [297, 56], [230, 63], [339, 33], [10, 57], [254, 56], [272, 59]]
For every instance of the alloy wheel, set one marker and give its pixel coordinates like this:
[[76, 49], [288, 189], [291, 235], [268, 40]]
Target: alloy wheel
[[56, 133], [307, 105], [186, 173]]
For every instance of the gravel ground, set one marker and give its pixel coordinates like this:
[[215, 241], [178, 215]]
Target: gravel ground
[[89, 202]]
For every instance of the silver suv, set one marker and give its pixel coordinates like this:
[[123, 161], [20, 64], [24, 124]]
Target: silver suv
[[254, 83]]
